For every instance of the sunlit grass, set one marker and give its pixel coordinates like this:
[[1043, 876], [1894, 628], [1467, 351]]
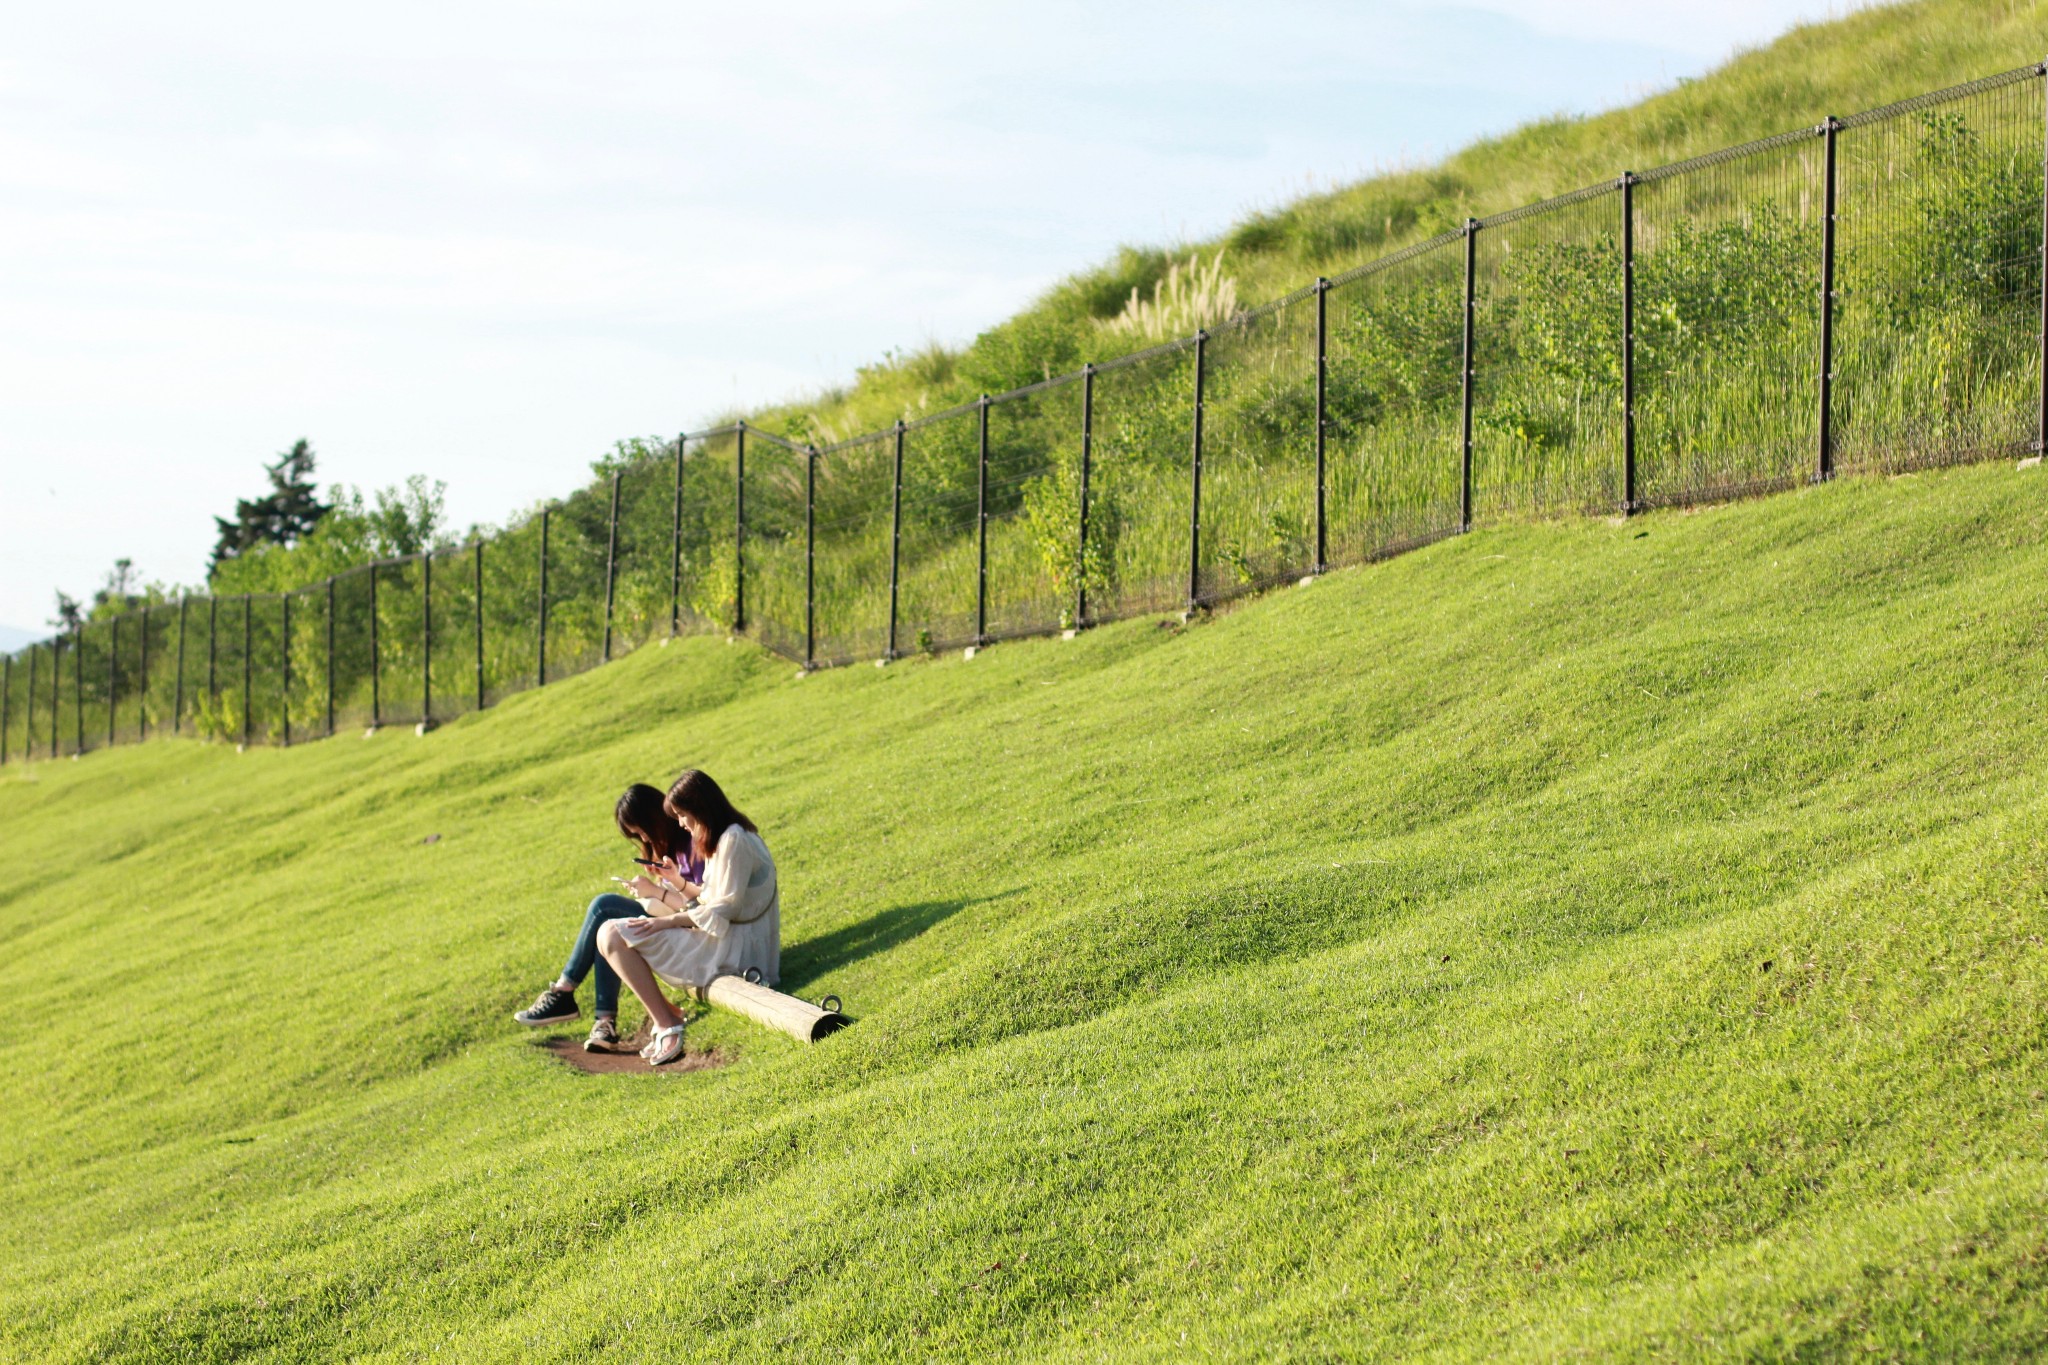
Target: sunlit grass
[[1607, 937]]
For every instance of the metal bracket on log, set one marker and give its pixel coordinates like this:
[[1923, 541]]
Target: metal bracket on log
[[800, 1019]]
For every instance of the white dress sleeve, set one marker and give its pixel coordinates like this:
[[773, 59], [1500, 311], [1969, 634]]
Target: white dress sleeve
[[726, 875]]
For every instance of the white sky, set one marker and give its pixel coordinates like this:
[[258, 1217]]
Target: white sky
[[482, 242]]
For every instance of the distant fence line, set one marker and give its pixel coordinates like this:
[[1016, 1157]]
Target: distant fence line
[[1865, 294]]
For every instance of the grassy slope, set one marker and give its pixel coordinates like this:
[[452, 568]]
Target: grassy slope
[[1377, 970], [1864, 60]]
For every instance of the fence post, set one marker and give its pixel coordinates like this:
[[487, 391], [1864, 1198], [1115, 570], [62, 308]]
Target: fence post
[[1195, 478], [113, 676], [248, 658], [178, 687], [78, 689], [1087, 459], [1628, 343], [895, 533], [427, 638], [981, 523], [675, 550], [284, 651], [810, 557], [1322, 557], [376, 657], [1465, 435], [739, 533], [540, 676], [212, 640], [2041, 425], [330, 656], [56, 692], [28, 733], [142, 685], [1826, 460], [6, 688], [479, 567], [611, 565]]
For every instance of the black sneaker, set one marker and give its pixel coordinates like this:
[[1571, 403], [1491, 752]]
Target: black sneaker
[[604, 1035], [553, 1007]]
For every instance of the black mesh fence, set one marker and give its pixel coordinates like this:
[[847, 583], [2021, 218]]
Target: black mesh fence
[[1033, 509], [357, 695], [1547, 359], [1393, 404], [772, 567], [400, 654], [710, 502], [511, 609], [1727, 356], [1259, 448], [1938, 278], [854, 541], [1140, 487], [1478, 375], [579, 535], [448, 631], [936, 568]]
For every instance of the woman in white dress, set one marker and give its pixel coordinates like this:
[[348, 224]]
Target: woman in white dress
[[694, 933]]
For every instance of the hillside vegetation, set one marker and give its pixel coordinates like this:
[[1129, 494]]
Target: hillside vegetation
[[1002, 520], [1860, 61], [1598, 938]]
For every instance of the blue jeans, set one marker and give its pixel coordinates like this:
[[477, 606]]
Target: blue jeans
[[584, 956]]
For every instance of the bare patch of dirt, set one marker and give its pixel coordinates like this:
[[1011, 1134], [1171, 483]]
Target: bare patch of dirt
[[628, 1060]]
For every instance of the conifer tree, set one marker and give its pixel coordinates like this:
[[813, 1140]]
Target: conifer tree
[[284, 516]]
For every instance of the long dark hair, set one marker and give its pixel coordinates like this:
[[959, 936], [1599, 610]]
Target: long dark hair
[[644, 818], [696, 795]]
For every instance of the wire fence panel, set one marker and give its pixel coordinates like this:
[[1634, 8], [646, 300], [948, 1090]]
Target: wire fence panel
[[1938, 228], [1140, 488], [1034, 462], [1259, 449], [351, 622], [773, 581], [299, 662], [449, 633], [119, 681], [155, 628], [936, 575], [265, 684], [710, 557], [856, 482], [1393, 405], [646, 553], [15, 725], [1727, 356], [1547, 409], [512, 609], [44, 684], [401, 628], [11, 711], [217, 709], [579, 533]]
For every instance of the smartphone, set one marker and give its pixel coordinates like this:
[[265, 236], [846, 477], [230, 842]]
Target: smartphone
[[648, 862]]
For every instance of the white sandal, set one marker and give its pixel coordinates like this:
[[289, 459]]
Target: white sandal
[[657, 1051]]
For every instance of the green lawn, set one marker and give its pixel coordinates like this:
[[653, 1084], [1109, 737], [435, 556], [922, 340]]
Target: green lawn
[[1584, 938]]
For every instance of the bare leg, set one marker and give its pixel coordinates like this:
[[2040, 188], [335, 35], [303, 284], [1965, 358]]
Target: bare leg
[[634, 971]]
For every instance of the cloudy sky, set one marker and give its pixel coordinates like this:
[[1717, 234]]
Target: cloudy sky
[[484, 241]]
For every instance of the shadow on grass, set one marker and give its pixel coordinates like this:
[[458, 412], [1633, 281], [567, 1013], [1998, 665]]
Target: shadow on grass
[[804, 963]]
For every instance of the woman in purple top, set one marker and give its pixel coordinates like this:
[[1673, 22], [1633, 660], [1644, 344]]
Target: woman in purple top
[[645, 821]]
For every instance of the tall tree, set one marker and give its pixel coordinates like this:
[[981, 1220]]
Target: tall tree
[[283, 516]]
